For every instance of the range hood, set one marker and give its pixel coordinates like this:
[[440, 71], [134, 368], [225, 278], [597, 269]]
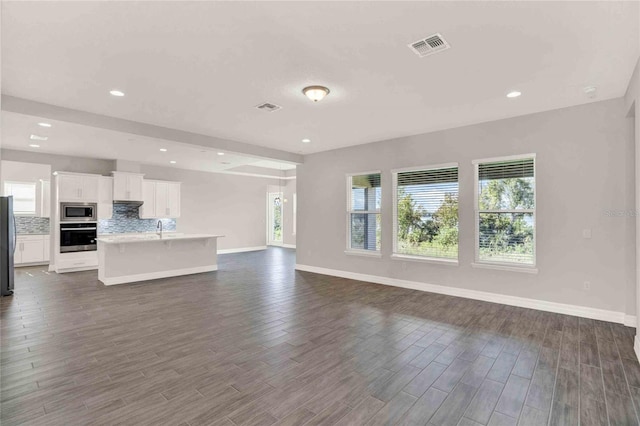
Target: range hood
[[128, 202]]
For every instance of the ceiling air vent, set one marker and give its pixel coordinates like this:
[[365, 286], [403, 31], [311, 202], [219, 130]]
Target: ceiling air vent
[[430, 45], [268, 107]]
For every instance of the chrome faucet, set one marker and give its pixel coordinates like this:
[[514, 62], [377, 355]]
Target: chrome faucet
[[159, 226]]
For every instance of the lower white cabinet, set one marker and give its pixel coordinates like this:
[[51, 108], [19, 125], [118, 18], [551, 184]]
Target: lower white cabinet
[[31, 249], [161, 199]]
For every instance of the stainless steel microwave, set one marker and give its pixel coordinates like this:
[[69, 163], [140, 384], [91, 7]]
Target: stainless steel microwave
[[78, 212]]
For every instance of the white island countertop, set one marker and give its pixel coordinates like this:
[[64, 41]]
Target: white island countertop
[[146, 237], [126, 258]]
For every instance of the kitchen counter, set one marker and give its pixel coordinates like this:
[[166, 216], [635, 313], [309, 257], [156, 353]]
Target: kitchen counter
[[130, 258], [146, 237]]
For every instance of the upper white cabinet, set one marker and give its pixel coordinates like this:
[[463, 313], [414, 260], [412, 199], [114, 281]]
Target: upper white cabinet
[[148, 208], [161, 200], [78, 187], [127, 186], [105, 197]]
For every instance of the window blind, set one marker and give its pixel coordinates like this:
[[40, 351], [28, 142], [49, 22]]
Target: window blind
[[426, 213], [506, 169]]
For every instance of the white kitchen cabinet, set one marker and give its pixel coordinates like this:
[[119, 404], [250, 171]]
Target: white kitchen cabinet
[[148, 208], [127, 186], [31, 249], [69, 187], [105, 197], [161, 200], [78, 187]]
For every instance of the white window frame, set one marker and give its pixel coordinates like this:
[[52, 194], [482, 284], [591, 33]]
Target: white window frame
[[506, 266], [358, 252], [394, 184], [35, 198]]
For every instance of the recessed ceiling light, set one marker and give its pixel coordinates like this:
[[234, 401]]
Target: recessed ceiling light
[[513, 94], [306, 140], [116, 93], [221, 153], [316, 93], [43, 124], [38, 138], [172, 162], [33, 145], [163, 149]]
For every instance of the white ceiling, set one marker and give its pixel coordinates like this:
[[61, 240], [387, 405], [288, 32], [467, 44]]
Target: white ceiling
[[86, 141], [202, 66]]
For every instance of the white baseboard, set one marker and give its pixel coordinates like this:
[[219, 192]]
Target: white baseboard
[[241, 249], [21, 265], [542, 305], [289, 246], [630, 321], [156, 275]]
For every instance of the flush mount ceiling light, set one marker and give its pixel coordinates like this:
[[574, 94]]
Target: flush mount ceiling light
[[163, 149], [38, 138], [172, 162], [221, 153], [116, 93], [306, 140], [513, 94], [44, 124], [315, 93], [33, 145]]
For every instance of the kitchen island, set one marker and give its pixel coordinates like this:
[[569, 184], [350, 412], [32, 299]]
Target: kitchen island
[[140, 257]]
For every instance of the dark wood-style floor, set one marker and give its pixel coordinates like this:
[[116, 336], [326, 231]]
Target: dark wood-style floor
[[257, 343]]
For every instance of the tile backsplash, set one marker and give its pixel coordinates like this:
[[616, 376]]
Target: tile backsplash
[[32, 225], [125, 219]]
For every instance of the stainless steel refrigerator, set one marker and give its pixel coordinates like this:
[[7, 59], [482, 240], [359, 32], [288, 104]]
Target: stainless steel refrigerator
[[7, 244]]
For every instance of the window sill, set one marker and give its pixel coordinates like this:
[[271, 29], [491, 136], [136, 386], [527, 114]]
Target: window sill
[[364, 253], [407, 257], [523, 269]]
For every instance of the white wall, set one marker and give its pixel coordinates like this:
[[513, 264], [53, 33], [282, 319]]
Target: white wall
[[62, 162], [218, 203], [632, 106], [584, 167], [289, 237]]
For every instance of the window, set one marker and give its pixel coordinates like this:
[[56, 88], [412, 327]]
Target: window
[[363, 212], [505, 211], [425, 219], [24, 197]]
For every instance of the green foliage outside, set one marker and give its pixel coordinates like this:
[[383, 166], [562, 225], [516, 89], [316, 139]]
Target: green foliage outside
[[277, 223], [504, 237], [424, 234], [507, 237]]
